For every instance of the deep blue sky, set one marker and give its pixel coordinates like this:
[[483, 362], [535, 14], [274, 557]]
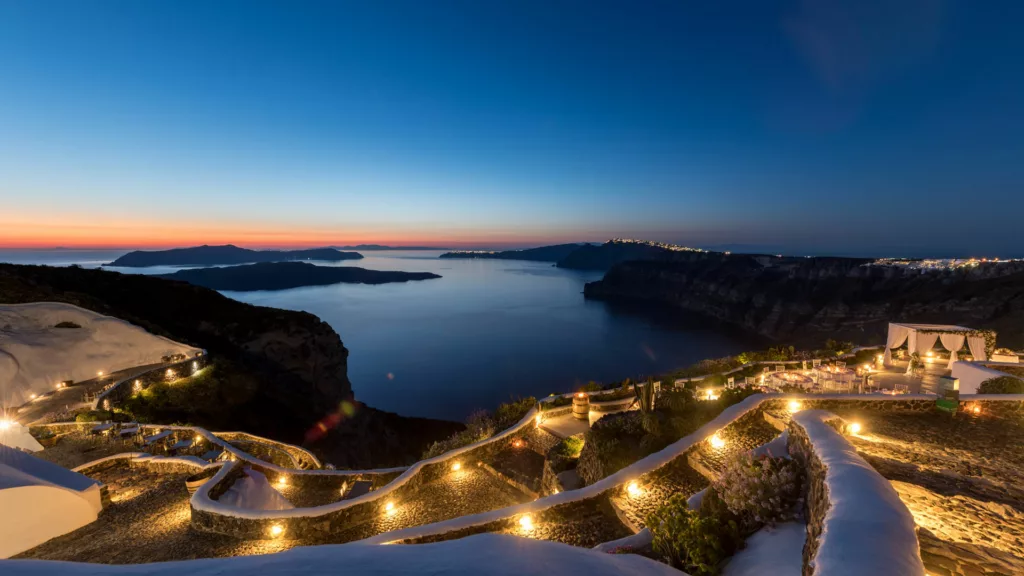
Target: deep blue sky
[[843, 127]]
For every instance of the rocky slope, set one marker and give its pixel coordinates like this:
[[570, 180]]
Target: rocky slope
[[541, 254], [807, 300], [288, 370], [604, 256]]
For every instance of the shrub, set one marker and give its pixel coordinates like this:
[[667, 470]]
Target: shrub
[[695, 541], [570, 447], [94, 416], [614, 442], [645, 402], [509, 414], [1002, 385], [761, 490], [591, 387], [736, 395]]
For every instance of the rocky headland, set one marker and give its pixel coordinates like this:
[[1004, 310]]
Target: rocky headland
[[222, 255], [541, 254], [284, 275], [280, 372], [807, 300]]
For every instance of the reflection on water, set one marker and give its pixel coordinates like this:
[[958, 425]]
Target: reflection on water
[[487, 331]]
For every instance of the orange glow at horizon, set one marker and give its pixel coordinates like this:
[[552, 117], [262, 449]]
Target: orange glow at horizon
[[123, 233]]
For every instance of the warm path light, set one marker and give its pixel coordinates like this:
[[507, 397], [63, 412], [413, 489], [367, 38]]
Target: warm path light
[[794, 406], [717, 441], [855, 428], [276, 530], [100, 373], [633, 489], [389, 507], [5, 424], [526, 522], [976, 409], [456, 466], [282, 481]]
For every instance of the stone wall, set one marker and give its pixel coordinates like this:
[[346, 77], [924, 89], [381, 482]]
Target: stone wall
[[300, 457], [885, 539], [125, 388]]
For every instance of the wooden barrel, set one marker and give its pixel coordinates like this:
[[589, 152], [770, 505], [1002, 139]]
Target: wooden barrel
[[581, 406]]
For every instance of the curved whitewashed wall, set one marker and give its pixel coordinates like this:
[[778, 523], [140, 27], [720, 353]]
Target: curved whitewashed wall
[[857, 523]]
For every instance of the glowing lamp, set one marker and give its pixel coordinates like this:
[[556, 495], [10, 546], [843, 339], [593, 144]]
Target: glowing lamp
[[282, 481], [5, 424], [976, 409], [389, 507], [100, 373], [537, 420], [276, 530], [717, 441], [456, 466], [198, 438], [31, 396], [526, 522], [855, 428], [581, 395], [794, 406], [633, 489]]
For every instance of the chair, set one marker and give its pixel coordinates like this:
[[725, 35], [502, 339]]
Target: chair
[[748, 380], [902, 388], [780, 368], [803, 364], [841, 365], [731, 382], [816, 363]]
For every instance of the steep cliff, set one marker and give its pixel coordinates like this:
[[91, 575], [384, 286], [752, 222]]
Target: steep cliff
[[604, 256], [285, 370], [806, 300]]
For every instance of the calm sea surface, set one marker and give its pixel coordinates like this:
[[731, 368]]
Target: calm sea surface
[[487, 331]]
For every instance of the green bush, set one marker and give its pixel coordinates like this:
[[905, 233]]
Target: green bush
[[94, 416], [736, 395], [761, 490], [1002, 385], [695, 541], [509, 414], [570, 447]]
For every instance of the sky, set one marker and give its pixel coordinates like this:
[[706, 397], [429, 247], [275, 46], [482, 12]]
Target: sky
[[825, 127]]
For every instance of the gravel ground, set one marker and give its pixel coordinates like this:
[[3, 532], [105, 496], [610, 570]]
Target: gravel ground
[[467, 491], [147, 521], [78, 448], [585, 524], [655, 489], [520, 464], [746, 434]]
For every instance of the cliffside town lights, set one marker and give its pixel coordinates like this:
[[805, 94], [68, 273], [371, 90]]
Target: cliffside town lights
[[526, 522], [276, 530], [717, 442]]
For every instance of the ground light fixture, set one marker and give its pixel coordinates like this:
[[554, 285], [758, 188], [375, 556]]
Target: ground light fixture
[[276, 530], [456, 466], [855, 428], [794, 406], [976, 409], [717, 441], [389, 508], [526, 522], [282, 481], [5, 424], [633, 489]]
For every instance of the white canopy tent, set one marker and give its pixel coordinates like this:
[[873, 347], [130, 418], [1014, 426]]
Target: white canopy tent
[[922, 337]]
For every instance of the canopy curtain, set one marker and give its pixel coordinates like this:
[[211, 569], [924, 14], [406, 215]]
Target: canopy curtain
[[977, 346], [954, 342], [925, 341], [897, 335]]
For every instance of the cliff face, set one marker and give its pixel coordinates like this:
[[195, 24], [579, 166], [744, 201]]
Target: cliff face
[[807, 300], [283, 371]]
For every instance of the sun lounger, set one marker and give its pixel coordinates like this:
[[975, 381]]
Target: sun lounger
[[212, 455], [101, 428], [150, 440], [182, 444]]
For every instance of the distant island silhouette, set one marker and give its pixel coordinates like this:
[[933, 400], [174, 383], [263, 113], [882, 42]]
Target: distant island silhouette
[[229, 254], [372, 247], [541, 254], [285, 275]]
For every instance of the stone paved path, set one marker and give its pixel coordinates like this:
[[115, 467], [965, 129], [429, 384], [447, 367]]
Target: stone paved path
[[960, 478], [147, 521]]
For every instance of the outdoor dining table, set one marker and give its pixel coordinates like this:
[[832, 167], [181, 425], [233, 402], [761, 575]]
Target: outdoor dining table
[[182, 444], [793, 379], [155, 437]]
